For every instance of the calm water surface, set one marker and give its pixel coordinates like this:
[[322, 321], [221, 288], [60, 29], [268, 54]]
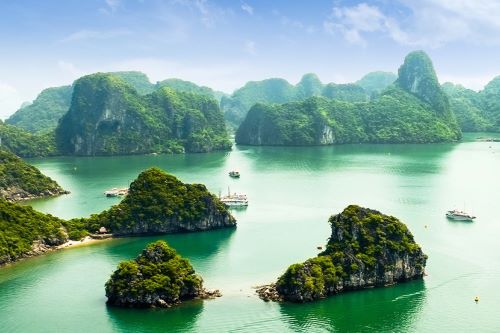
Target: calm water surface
[[292, 192]]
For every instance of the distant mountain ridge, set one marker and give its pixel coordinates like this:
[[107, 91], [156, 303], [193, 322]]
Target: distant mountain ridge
[[277, 90], [412, 110]]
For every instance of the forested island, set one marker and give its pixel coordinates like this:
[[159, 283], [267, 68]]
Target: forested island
[[21, 181], [366, 249], [158, 277], [117, 114], [157, 203]]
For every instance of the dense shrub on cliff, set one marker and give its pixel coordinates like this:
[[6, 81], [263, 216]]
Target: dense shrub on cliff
[[408, 112], [160, 203], [19, 180], [108, 117], [272, 91], [43, 114], [157, 277], [21, 227], [189, 87], [26, 144], [467, 106], [490, 103], [366, 249], [312, 122], [376, 82], [157, 203], [52, 103]]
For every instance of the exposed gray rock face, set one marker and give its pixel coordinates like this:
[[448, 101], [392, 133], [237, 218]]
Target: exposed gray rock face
[[16, 193], [107, 116], [366, 249], [417, 76]]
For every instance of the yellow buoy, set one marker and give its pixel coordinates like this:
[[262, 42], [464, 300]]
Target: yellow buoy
[[476, 299]]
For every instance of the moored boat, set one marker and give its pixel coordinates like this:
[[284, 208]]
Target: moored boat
[[234, 199], [459, 215], [234, 174]]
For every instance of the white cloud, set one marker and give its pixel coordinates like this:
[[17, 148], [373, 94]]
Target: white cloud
[[10, 99], [429, 23], [95, 34], [70, 70], [247, 8], [111, 6], [250, 47], [294, 24], [224, 76], [475, 82], [209, 13]]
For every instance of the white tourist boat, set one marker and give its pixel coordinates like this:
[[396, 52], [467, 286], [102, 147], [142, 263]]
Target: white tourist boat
[[234, 199], [459, 215], [234, 174]]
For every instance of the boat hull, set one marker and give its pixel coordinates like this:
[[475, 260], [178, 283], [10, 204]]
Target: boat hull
[[460, 218]]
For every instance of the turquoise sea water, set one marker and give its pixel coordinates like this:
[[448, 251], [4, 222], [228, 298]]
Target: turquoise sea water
[[292, 192]]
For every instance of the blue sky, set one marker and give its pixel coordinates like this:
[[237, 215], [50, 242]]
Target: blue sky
[[223, 44]]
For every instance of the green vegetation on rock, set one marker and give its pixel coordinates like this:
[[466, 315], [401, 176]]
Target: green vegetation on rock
[[376, 82], [26, 144], [405, 113], [366, 249], [157, 277], [108, 116], [157, 203], [272, 91], [190, 87], [490, 103], [160, 203], [19, 180], [138, 80], [43, 114], [467, 106], [25, 232]]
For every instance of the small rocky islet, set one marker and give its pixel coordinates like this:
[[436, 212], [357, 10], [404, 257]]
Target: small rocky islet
[[158, 277], [366, 249]]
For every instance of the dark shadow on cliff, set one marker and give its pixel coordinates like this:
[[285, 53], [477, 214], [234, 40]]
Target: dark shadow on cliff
[[181, 318], [371, 310]]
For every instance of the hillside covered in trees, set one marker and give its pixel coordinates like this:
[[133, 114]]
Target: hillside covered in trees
[[413, 110]]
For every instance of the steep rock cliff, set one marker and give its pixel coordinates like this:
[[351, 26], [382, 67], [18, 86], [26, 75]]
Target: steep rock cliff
[[108, 116], [366, 249]]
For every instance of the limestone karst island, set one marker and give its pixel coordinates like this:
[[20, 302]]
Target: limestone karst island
[[249, 166]]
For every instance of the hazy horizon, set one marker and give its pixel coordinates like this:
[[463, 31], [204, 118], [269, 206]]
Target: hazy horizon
[[223, 44]]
